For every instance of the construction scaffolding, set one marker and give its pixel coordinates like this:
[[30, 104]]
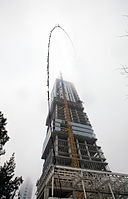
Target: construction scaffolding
[[66, 182]]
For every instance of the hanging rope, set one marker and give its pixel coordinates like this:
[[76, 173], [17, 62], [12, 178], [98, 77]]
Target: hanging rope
[[50, 126]]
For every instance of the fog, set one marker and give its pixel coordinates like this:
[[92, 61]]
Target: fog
[[93, 63]]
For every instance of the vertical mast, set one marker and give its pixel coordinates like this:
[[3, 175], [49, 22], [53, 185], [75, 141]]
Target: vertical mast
[[75, 162]]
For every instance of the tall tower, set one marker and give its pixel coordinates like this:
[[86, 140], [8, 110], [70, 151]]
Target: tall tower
[[26, 190], [60, 179]]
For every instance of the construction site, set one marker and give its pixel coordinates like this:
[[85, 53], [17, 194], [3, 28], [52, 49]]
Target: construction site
[[74, 165]]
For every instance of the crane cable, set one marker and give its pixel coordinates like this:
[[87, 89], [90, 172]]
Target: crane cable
[[48, 82], [52, 140]]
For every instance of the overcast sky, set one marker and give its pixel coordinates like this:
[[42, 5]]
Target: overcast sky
[[93, 65]]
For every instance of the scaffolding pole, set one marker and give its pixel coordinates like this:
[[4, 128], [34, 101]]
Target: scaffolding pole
[[110, 187]]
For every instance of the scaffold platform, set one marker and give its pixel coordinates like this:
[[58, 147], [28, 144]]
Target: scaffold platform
[[93, 184]]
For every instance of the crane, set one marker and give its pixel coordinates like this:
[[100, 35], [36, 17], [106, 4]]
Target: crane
[[75, 162]]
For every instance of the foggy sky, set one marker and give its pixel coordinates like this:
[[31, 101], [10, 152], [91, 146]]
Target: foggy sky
[[93, 65]]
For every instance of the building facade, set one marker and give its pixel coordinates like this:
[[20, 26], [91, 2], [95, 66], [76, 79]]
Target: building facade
[[59, 179]]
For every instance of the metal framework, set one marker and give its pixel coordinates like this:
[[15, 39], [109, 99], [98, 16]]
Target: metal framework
[[75, 162], [94, 184]]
